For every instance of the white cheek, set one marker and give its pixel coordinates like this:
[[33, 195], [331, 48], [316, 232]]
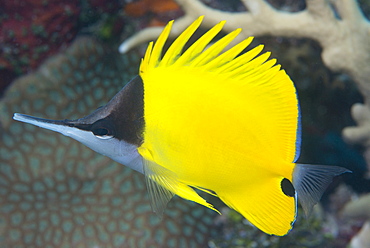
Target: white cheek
[[128, 155], [118, 150]]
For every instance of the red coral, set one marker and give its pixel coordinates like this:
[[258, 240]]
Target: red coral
[[32, 30], [157, 11], [142, 7]]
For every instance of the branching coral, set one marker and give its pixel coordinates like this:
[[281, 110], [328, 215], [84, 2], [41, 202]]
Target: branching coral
[[359, 209], [338, 25], [362, 239]]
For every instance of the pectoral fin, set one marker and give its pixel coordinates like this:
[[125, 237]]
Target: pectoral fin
[[163, 184]]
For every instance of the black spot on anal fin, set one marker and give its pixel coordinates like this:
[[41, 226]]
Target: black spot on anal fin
[[287, 187]]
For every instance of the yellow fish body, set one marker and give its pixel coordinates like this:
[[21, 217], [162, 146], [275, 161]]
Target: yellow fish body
[[221, 122]]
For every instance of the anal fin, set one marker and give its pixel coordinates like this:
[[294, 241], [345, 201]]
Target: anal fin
[[263, 204]]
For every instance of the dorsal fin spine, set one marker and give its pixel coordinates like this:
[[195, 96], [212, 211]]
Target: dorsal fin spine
[[237, 62], [158, 46], [177, 46], [229, 55], [214, 49], [261, 76], [199, 45], [248, 68], [145, 61], [197, 56]]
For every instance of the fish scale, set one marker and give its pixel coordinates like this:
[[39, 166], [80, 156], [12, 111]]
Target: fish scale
[[55, 192]]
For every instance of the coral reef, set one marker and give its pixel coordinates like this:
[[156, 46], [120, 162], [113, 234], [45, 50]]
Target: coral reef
[[341, 228], [360, 134], [262, 19], [359, 209], [143, 7], [362, 239], [31, 31], [152, 13], [55, 192]]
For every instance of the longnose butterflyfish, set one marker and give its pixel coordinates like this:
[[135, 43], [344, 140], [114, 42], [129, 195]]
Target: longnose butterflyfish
[[202, 118]]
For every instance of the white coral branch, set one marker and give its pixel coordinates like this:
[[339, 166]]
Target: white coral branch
[[362, 239], [152, 33], [343, 40]]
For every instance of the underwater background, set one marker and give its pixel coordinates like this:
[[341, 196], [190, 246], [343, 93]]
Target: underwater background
[[60, 59]]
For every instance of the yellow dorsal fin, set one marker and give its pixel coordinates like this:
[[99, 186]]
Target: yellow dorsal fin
[[176, 48], [199, 45], [156, 53], [196, 55], [229, 55], [209, 54], [251, 71]]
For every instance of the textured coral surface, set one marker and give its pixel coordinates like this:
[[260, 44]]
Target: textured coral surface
[[55, 192], [31, 31]]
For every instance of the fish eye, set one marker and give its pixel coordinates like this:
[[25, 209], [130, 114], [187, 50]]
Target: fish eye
[[103, 129]]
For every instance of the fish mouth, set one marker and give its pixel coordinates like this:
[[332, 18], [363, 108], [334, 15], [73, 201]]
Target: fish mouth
[[33, 120], [53, 125]]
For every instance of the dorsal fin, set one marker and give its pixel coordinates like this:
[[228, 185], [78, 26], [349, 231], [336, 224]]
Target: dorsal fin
[[196, 55], [248, 71]]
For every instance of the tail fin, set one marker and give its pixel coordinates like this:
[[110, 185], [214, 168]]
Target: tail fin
[[310, 182]]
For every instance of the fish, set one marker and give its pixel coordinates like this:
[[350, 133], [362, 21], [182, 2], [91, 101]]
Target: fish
[[208, 119]]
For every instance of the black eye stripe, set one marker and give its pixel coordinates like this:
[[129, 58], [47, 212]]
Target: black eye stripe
[[124, 116], [103, 127], [100, 131]]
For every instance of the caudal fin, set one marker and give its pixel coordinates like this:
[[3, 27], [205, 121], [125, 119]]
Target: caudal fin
[[310, 182]]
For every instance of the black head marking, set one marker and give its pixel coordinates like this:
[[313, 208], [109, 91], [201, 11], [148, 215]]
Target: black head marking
[[122, 117], [103, 127], [128, 112], [287, 187]]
